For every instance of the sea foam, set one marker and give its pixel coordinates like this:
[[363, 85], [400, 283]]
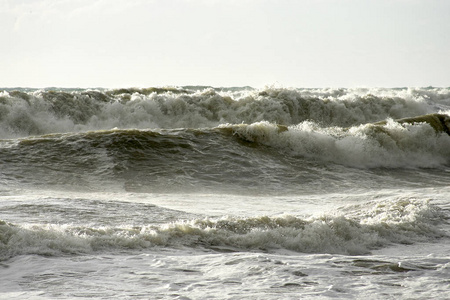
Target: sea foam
[[391, 145]]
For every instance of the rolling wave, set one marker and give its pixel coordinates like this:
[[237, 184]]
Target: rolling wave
[[247, 158], [381, 224]]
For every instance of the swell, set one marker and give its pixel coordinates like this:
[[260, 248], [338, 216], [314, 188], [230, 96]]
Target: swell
[[183, 160], [380, 224], [36, 112]]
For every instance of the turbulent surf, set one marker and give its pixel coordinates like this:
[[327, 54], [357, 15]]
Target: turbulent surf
[[296, 188]]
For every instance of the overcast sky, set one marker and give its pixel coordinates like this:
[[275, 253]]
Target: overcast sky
[[141, 43]]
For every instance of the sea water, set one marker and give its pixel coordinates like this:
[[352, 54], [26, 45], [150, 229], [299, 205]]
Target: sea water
[[224, 193]]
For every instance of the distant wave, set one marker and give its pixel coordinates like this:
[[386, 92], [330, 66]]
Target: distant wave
[[404, 221], [25, 112]]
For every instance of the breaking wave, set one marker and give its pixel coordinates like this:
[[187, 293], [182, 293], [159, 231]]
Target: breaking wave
[[403, 221], [35, 112]]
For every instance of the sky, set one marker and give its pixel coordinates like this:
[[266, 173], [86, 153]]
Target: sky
[[291, 43]]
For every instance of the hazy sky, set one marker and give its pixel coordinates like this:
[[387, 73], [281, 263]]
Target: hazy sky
[[311, 43]]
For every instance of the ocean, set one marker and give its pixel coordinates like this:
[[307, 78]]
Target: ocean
[[197, 192]]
